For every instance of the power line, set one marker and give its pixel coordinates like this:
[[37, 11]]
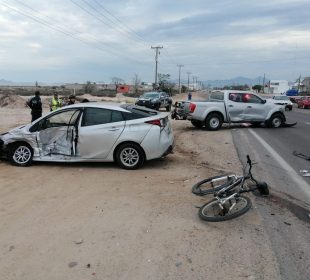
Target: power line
[[117, 19], [113, 26], [65, 32]]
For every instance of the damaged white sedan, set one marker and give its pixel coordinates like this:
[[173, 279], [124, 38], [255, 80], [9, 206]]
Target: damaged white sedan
[[91, 132]]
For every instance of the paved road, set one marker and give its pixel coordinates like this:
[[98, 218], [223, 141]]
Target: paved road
[[273, 150]]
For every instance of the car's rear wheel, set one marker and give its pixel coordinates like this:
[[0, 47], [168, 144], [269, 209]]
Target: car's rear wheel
[[168, 108], [20, 154], [130, 156]]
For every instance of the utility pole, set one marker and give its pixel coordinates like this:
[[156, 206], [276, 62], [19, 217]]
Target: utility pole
[[156, 60], [264, 84], [180, 66], [298, 84], [188, 74]]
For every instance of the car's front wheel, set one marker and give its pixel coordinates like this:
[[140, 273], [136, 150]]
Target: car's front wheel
[[275, 121], [130, 156], [20, 154]]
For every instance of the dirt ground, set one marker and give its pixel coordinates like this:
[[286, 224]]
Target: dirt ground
[[97, 221]]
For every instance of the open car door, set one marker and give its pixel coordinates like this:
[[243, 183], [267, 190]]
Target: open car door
[[57, 134]]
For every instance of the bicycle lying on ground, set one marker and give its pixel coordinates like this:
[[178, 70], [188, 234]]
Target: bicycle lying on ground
[[227, 189]]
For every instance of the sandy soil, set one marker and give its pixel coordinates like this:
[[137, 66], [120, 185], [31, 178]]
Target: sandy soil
[[97, 221]]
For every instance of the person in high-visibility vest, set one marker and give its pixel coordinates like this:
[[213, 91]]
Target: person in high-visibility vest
[[55, 102]]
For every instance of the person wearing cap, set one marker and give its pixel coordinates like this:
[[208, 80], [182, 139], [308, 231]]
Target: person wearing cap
[[71, 100], [35, 104], [55, 102]]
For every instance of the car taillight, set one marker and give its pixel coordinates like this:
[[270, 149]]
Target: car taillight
[[155, 122], [192, 107]]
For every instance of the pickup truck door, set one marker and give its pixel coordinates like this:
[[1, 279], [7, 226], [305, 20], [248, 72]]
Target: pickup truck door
[[245, 107], [255, 109], [235, 108], [163, 100]]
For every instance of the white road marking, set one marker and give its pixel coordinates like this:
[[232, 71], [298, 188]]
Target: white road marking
[[307, 122], [300, 182]]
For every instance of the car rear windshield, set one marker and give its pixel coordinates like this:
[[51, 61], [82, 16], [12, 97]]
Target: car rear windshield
[[137, 112], [151, 95]]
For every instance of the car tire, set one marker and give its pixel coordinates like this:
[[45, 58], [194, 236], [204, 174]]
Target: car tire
[[197, 124], [20, 154], [256, 124], [275, 121], [157, 107], [214, 121], [168, 108], [129, 156]]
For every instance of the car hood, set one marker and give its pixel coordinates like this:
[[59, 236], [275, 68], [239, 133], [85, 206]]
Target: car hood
[[282, 102], [16, 133]]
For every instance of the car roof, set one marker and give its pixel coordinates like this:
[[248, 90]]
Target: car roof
[[103, 105]]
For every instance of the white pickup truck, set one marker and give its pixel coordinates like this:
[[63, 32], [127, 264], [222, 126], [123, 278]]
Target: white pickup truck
[[231, 106]]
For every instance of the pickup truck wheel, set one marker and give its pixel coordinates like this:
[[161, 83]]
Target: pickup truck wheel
[[214, 121], [275, 121], [198, 124]]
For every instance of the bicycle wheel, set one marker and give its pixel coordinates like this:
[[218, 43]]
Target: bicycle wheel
[[212, 185], [233, 208]]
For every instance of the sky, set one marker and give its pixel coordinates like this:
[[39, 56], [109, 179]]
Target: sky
[[66, 41]]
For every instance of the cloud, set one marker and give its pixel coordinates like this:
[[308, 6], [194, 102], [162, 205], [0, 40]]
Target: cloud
[[212, 39]]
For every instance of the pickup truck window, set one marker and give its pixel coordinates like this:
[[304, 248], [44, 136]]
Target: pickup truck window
[[215, 96], [250, 98], [245, 98]]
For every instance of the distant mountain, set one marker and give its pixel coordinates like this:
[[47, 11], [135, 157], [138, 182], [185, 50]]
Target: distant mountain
[[4, 82], [235, 81]]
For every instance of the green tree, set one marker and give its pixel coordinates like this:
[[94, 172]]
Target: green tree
[[164, 84], [136, 83], [89, 87], [258, 88]]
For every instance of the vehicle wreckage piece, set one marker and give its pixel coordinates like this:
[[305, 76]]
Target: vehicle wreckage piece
[[301, 155]]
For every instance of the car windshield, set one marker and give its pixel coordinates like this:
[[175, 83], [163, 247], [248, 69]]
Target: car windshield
[[151, 95], [281, 97]]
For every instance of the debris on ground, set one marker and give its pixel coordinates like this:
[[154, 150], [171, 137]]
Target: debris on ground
[[301, 155]]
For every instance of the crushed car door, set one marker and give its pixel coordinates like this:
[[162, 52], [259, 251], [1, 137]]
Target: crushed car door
[[99, 130], [235, 107], [57, 134], [255, 109]]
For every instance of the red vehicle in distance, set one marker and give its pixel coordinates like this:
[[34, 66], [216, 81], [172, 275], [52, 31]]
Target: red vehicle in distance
[[304, 102]]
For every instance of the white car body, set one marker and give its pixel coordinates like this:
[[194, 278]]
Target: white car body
[[284, 101], [81, 133]]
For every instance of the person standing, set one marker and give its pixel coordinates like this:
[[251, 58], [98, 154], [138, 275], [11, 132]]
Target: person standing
[[55, 102], [71, 100], [35, 104], [189, 97]]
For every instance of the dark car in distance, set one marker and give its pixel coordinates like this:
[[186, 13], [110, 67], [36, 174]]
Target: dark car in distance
[[155, 100]]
